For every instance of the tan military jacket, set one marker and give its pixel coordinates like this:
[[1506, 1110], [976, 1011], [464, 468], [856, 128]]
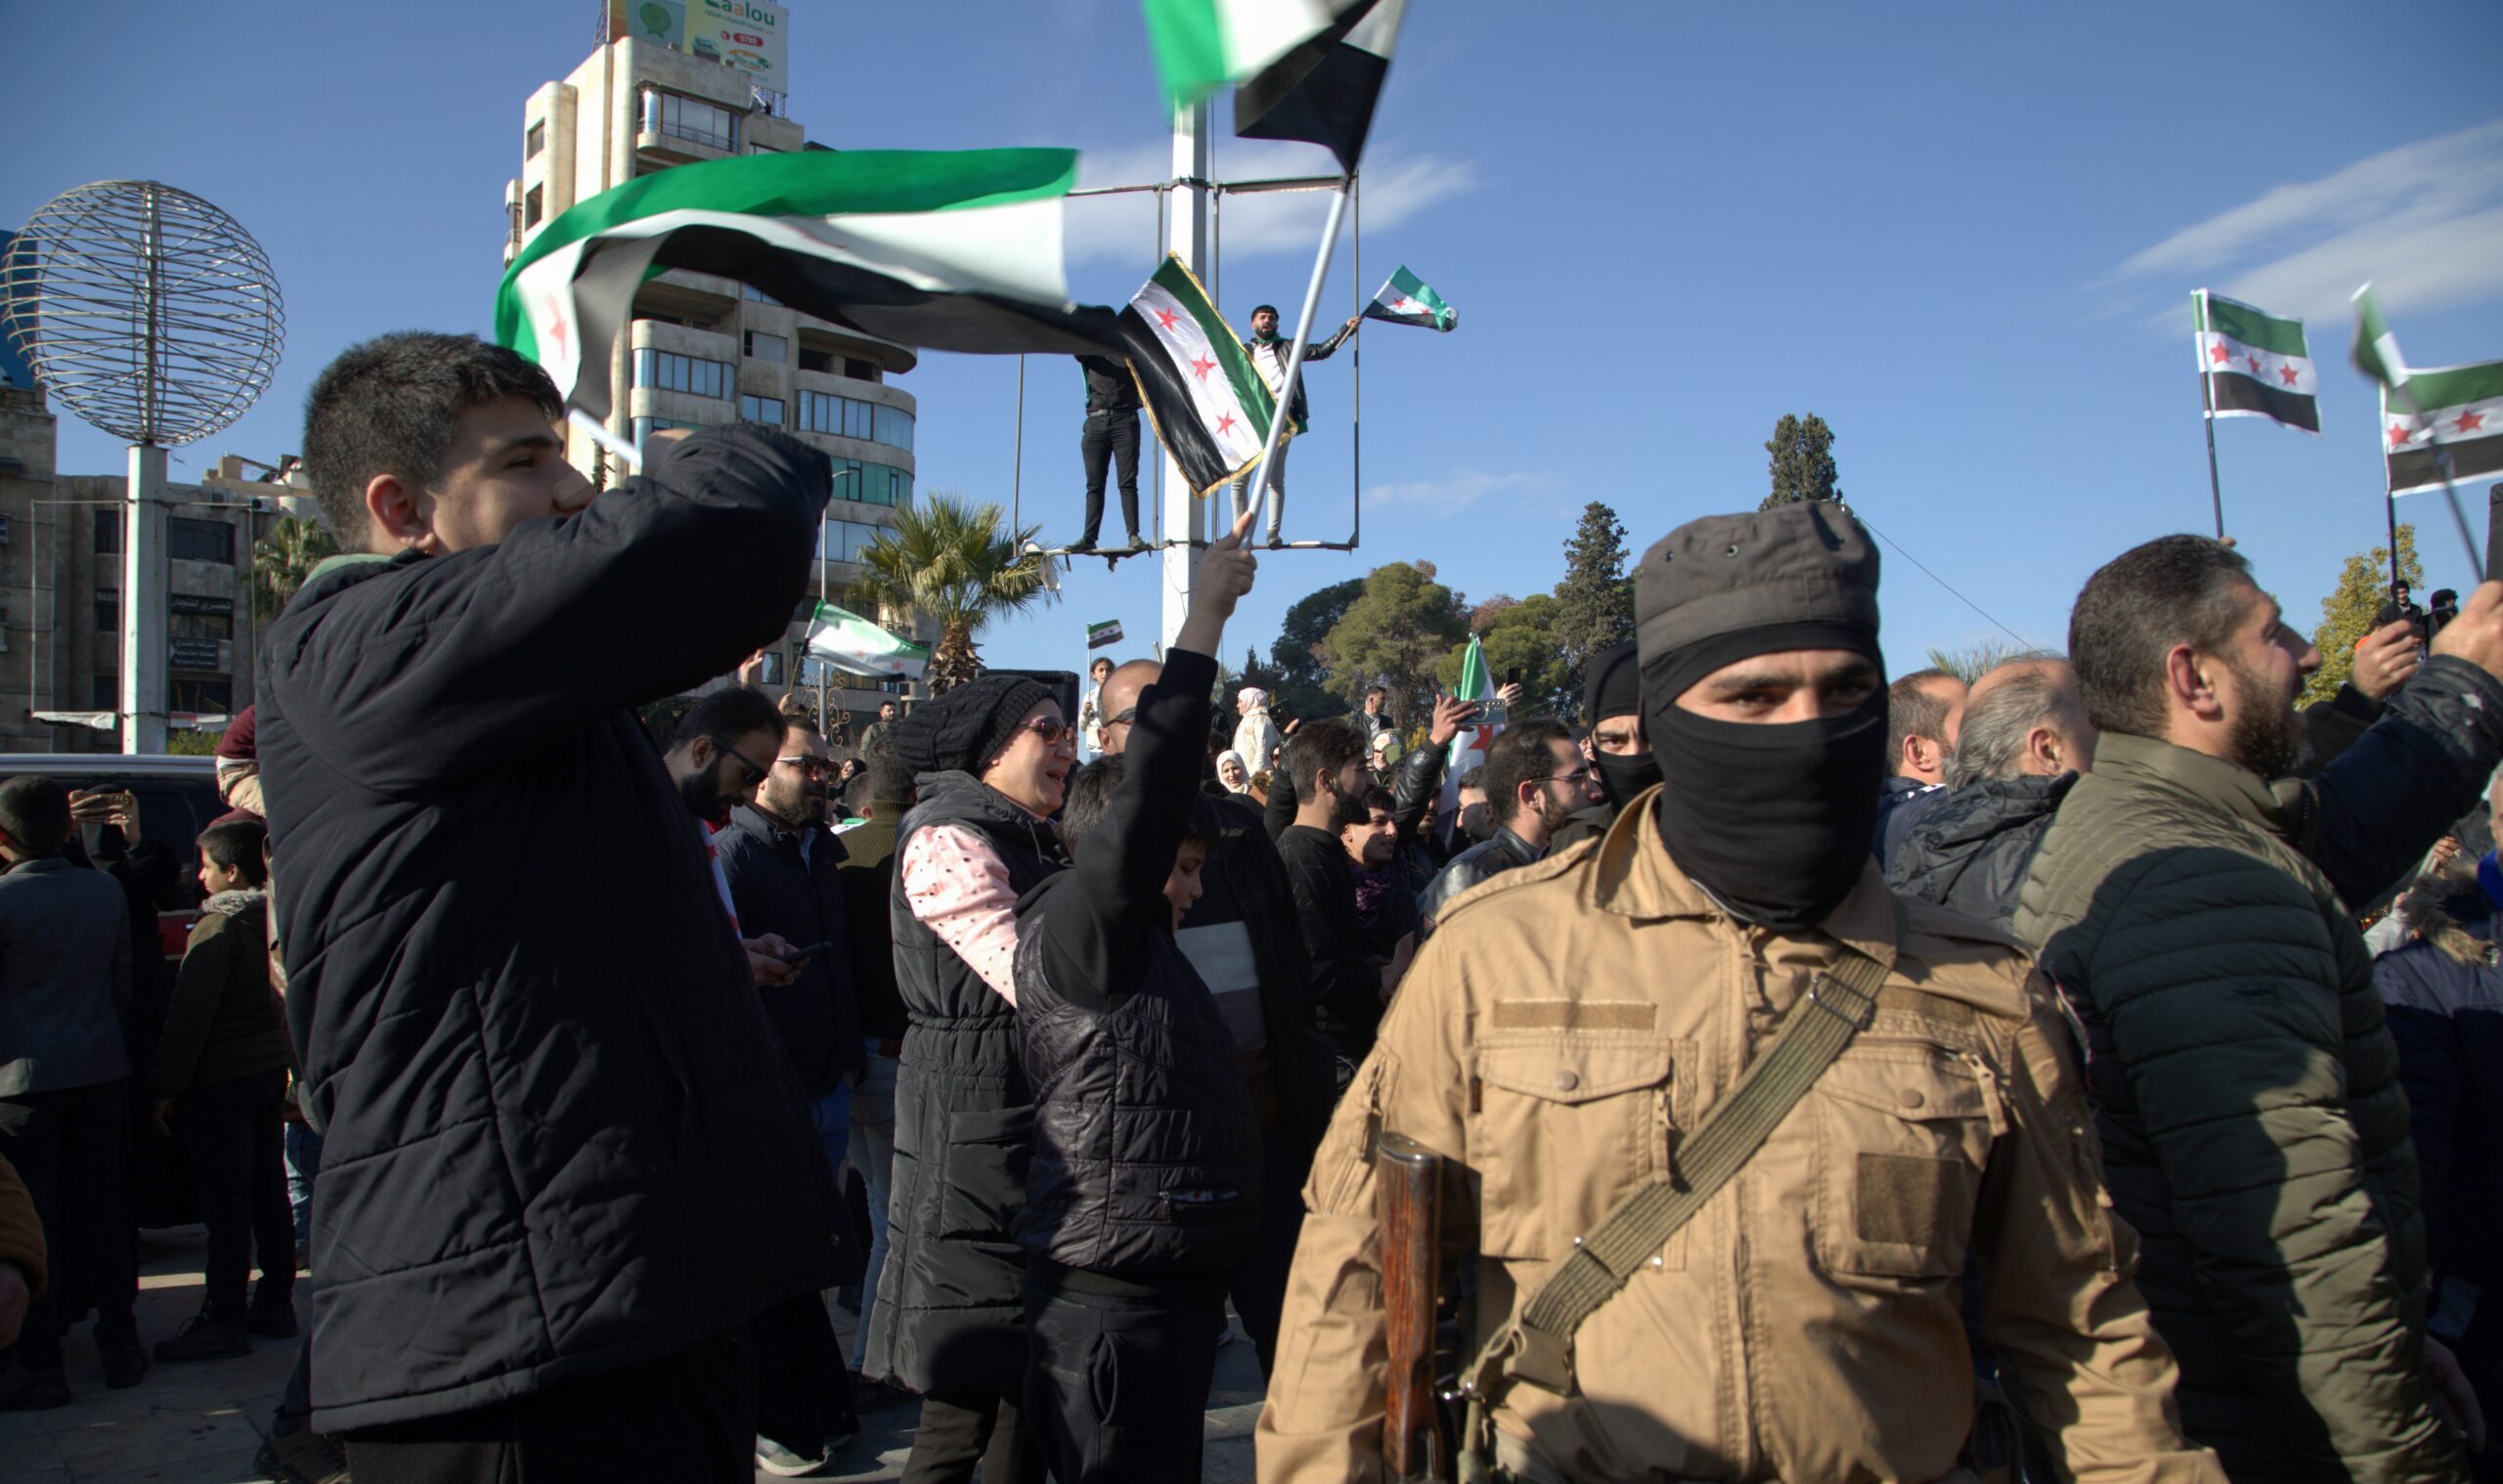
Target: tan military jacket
[[1569, 1020]]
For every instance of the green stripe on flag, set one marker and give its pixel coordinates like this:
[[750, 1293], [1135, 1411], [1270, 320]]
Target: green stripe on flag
[[1250, 388], [810, 183], [2376, 350], [2441, 386], [1188, 46], [2241, 322]]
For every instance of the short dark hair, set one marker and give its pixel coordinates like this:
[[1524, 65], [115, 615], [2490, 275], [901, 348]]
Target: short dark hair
[[1089, 802], [883, 705], [1474, 778], [1103, 660], [733, 711], [390, 406], [1371, 691], [889, 778], [2174, 590], [236, 844], [1519, 755], [34, 811], [1379, 797], [1912, 710], [1271, 308], [1321, 746]]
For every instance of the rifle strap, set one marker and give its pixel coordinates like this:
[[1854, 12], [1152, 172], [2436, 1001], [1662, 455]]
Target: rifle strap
[[1538, 1346]]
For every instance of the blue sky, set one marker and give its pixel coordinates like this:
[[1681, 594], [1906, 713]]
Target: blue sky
[[1964, 234]]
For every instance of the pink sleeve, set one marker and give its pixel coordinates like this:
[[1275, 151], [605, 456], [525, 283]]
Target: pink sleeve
[[956, 884]]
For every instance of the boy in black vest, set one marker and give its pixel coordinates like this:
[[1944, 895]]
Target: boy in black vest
[[1144, 1188]]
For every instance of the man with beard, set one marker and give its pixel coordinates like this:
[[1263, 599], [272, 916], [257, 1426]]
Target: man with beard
[[2245, 1085], [1349, 980], [1668, 1019], [1618, 747], [1384, 904], [716, 759], [1536, 777]]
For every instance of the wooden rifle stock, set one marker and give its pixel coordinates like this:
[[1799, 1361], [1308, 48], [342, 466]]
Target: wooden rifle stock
[[1408, 1181]]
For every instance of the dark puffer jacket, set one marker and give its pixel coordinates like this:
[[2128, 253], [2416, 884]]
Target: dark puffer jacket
[[2445, 1002], [1146, 1152], [950, 1311], [1969, 851], [2252, 1127], [561, 1139]]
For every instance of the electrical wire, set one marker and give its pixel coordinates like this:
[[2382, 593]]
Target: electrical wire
[[1942, 582]]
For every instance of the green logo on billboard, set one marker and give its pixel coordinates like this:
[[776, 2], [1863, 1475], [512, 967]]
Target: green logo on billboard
[[656, 19]]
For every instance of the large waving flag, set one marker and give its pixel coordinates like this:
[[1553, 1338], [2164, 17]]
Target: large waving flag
[[1210, 407], [1203, 45], [2459, 406], [854, 646], [1322, 92], [1407, 299], [946, 249], [2254, 364]]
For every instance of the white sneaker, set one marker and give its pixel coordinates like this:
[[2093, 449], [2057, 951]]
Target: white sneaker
[[781, 1462]]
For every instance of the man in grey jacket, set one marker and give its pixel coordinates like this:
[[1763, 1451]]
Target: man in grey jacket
[[65, 980]]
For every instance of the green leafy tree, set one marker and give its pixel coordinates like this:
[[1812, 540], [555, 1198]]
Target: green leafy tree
[[955, 563], [283, 560], [1519, 635], [1304, 676], [2346, 613], [1974, 661], [1395, 634], [1594, 603], [1802, 461]]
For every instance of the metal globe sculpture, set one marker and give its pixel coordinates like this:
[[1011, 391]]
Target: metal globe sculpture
[[148, 312]]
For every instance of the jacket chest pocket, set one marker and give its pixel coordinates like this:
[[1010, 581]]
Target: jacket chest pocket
[[1902, 1135], [1558, 1131]]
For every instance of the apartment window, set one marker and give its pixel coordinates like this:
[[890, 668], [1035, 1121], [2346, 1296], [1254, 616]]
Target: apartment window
[[756, 295], [108, 613], [109, 531], [872, 484], [891, 426], [764, 347], [532, 206], [671, 372], [820, 362], [209, 695], [861, 370], [645, 427], [845, 541], [691, 118], [534, 139], [199, 540], [852, 418], [200, 626], [760, 410]]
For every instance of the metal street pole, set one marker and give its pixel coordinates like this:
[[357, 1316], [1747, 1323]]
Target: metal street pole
[[1183, 534], [825, 721], [143, 545]]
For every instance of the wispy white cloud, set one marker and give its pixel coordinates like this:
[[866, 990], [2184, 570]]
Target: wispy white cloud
[[1463, 487], [2424, 222], [1398, 186]]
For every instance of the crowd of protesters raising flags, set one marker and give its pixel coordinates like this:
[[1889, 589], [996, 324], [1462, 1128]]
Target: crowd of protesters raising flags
[[1831, 1078]]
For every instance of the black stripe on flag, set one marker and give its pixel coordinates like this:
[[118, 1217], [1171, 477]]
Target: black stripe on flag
[[1323, 93], [1169, 404], [2234, 392], [2471, 459]]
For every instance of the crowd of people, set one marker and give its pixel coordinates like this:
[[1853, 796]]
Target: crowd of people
[[1820, 1068]]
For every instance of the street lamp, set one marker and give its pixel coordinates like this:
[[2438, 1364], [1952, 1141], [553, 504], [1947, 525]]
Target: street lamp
[[825, 721]]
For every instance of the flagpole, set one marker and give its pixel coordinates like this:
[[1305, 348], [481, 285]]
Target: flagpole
[[1189, 238], [1303, 336], [2208, 407]]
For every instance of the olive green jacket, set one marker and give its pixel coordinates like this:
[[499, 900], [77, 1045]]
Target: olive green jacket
[[2253, 1126]]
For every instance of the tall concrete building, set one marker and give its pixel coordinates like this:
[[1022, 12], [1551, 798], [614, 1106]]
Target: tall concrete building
[[703, 349]]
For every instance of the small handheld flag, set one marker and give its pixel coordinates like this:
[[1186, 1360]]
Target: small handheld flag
[[2255, 364], [1106, 632], [1407, 299]]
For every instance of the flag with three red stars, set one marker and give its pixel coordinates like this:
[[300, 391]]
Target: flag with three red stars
[[1209, 408], [2254, 364], [2459, 406]]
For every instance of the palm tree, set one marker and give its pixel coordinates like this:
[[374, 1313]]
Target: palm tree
[[950, 561], [283, 560]]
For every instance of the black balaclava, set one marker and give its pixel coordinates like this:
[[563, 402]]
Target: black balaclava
[[1616, 689], [1775, 820]]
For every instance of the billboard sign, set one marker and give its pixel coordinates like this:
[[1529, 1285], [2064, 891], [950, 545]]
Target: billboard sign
[[659, 23], [751, 35]]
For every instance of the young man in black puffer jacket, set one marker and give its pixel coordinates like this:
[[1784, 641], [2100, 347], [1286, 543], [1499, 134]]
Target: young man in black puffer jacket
[[1144, 1189]]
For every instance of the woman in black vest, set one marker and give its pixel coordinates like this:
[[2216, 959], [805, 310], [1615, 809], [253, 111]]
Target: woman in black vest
[[990, 758]]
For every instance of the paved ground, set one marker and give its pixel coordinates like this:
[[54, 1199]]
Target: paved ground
[[200, 1423]]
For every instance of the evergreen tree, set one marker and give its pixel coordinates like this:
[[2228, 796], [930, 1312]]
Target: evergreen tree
[[2346, 613], [1802, 462], [1304, 676], [1594, 603], [1519, 635], [1394, 635]]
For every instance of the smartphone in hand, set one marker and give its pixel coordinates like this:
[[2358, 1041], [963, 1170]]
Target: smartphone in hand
[[803, 956]]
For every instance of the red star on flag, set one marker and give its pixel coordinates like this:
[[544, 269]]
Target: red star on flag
[[1202, 367], [1225, 424], [2398, 435], [1167, 318], [2254, 364], [2216, 353], [2469, 422], [2288, 374], [556, 330]]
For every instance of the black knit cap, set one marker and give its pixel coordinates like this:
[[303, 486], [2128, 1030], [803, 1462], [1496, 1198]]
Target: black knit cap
[[1715, 590], [1615, 686], [963, 730]]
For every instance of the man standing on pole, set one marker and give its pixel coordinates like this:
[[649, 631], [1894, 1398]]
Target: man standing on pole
[[1270, 351]]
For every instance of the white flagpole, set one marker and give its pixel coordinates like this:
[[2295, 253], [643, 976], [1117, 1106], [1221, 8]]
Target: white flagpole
[[1303, 336]]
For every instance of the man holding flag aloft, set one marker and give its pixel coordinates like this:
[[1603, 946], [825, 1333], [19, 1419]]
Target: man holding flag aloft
[[1269, 352]]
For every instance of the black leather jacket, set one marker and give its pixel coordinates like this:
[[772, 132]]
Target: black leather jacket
[[1480, 862]]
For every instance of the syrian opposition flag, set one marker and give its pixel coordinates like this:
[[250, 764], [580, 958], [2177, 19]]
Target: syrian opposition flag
[[2254, 364], [2460, 407], [1209, 408], [1106, 632], [1322, 92], [854, 646], [1468, 746], [1203, 45], [945, 249], [1407, 299]]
